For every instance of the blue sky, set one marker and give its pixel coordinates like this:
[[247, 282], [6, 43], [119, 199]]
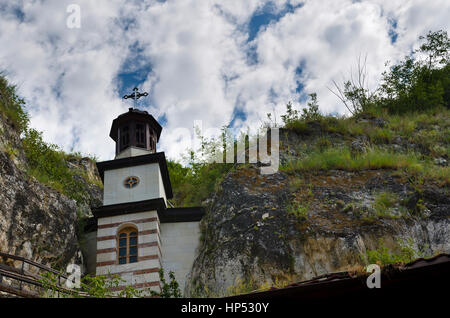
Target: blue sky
[[221, 62], [136, 67]]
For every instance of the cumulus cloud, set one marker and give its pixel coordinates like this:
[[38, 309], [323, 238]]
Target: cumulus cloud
[[215, 61]]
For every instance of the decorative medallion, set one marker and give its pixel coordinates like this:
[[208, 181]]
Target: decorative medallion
[[131, 182]]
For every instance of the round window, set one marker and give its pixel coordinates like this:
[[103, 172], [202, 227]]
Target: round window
[[131, 182]]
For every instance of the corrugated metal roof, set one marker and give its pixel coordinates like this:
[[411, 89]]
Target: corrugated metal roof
[[420, 262], [435, 269]]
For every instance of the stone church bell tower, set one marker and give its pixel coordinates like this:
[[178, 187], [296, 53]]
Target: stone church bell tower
[[136, 189], [134, 233]]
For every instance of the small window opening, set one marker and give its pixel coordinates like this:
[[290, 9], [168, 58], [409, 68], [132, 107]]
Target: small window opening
[[140, 136], [125, 137]]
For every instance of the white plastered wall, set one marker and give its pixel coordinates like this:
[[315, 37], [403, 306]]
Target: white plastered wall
[[132, 152], [150, 185], [179, 243]]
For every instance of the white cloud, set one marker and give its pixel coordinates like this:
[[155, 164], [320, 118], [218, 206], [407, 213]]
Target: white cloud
[[198, 51]]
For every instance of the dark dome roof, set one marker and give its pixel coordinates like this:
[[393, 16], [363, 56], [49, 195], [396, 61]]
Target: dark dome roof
[[138, 115]]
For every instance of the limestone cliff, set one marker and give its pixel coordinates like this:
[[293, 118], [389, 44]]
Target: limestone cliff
[[36, 221], [251, 234]]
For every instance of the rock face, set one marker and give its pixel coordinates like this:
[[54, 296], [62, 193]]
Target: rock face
[[36, 222], [253, 233], [94, 193]]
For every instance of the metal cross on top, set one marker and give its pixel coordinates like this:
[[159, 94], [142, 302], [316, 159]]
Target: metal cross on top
[[135, 96]]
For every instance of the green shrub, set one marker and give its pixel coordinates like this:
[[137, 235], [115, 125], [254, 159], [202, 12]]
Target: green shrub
[[11, 151], [46, 162], [11, 106], [418, 84], [384, 202], [291, 115], [106, 286], [168, 290], [311, 111], [298, 209], [299, 126], [100, 286], [242, 287], [293, 120], [194, 184], [404, 253]]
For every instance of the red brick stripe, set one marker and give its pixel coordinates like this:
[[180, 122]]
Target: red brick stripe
[[141, 285], [148, 232], [146, 271], [144, 258], [105, 238], [141, 258], [113, 237], [112, 249], [100, 264], [148, 220], [106, 250], [148, 244], [139, 272]]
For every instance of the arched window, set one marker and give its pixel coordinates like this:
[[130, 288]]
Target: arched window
[[127, 242]]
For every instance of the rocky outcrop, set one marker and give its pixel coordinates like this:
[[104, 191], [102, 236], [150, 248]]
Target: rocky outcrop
[[270, 229], [86, 172], [36, 221]]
